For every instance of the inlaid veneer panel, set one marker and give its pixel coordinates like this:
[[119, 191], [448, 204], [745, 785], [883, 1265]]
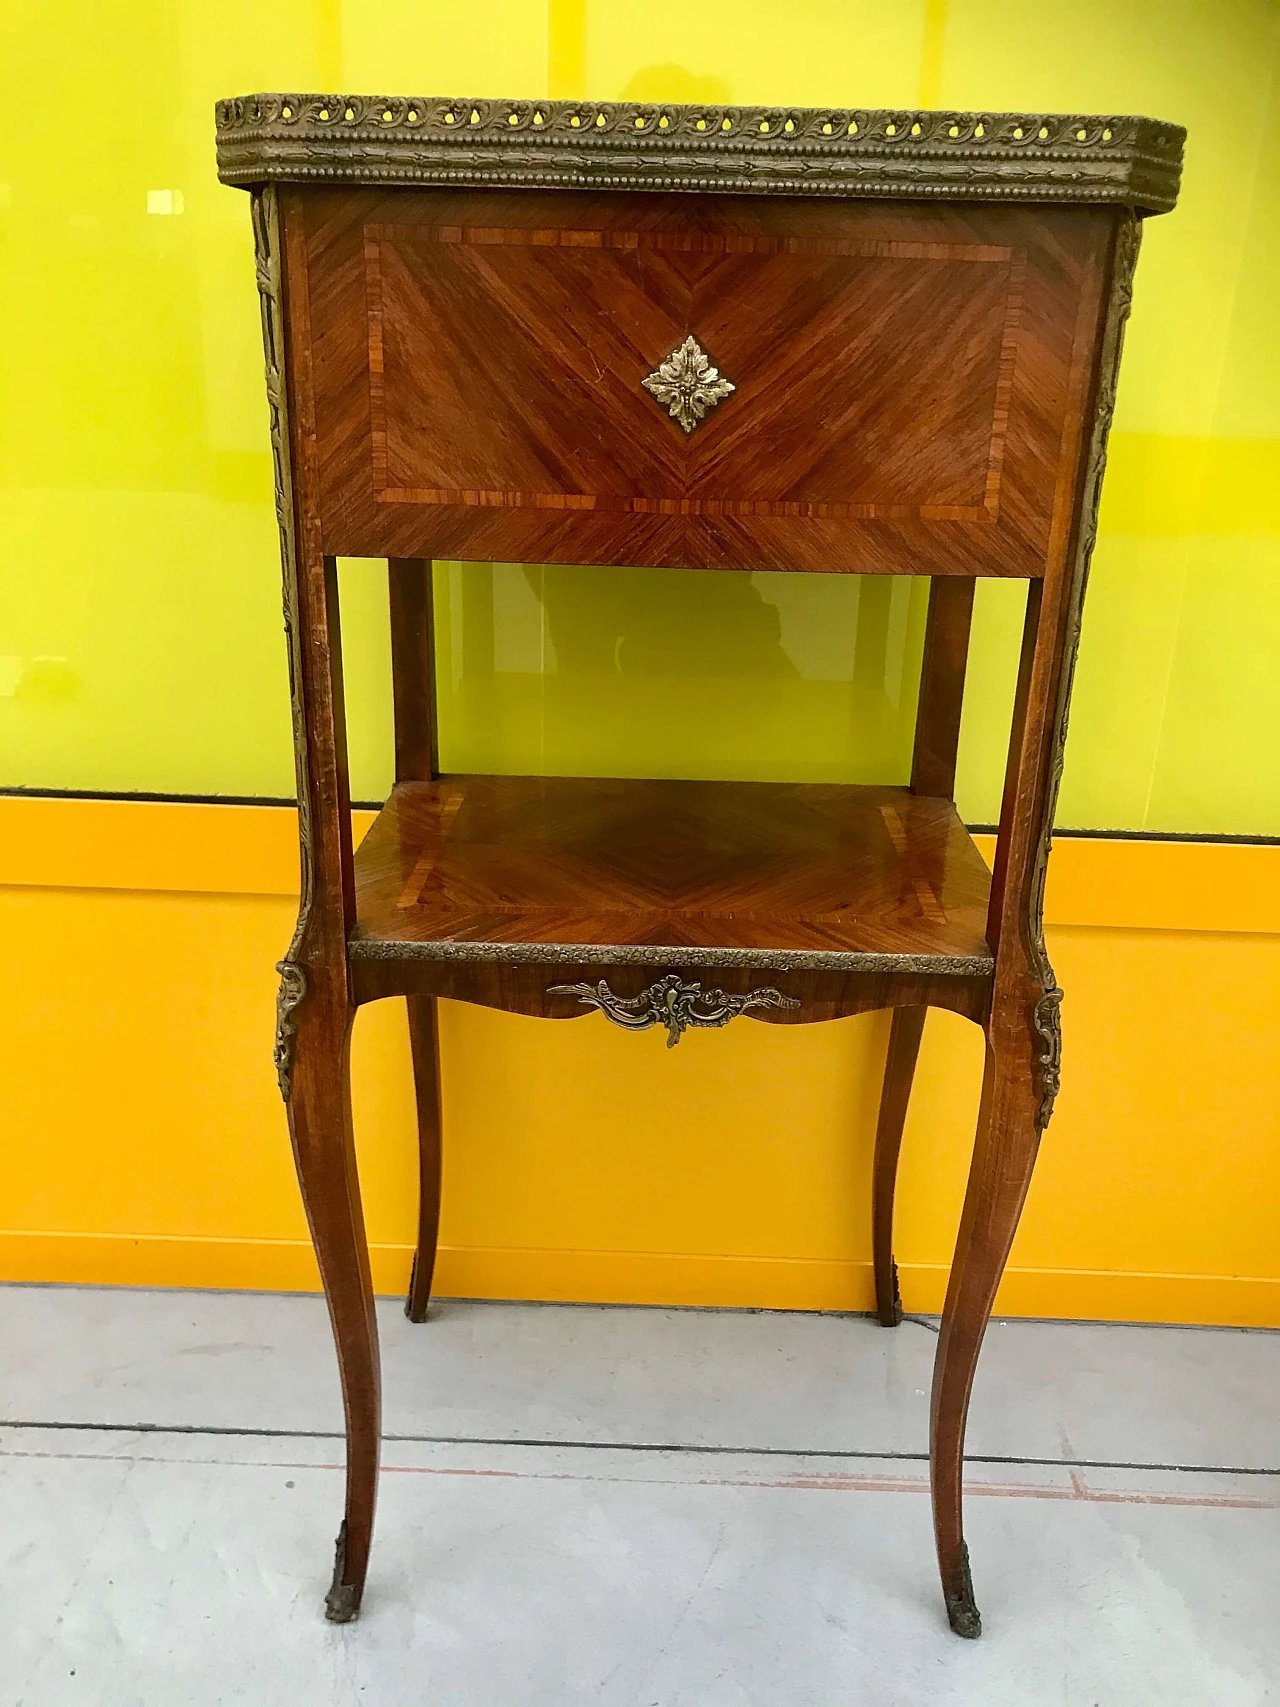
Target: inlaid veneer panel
[[719, 872], [763, 307], [906, 378]]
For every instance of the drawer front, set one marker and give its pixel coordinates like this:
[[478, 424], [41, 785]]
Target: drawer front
[[713, 382]]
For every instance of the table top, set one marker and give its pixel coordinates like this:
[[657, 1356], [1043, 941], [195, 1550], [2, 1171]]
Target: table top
[[375, 139]]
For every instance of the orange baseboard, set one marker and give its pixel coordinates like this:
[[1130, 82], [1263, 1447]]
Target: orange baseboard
[[636, 1277]]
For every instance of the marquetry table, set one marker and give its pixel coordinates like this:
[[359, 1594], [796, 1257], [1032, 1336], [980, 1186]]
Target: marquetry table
[[840, 342]]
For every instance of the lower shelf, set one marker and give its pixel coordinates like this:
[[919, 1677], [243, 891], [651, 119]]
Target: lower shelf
[[542, 871]]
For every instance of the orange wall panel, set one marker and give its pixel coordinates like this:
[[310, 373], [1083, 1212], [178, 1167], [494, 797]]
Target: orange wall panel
[[148, 1144]]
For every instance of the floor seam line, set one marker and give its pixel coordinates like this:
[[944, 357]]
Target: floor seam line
[[1076, 1493], [683, 1448]]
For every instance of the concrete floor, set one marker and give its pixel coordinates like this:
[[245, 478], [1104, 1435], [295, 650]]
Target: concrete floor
[[638, 1508]]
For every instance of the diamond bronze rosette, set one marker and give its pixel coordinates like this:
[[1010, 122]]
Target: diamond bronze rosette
[[687, 385]]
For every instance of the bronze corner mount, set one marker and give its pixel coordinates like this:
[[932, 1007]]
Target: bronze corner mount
[[293, 988]]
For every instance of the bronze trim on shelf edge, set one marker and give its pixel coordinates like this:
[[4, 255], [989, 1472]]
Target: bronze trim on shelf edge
[[647, 954]]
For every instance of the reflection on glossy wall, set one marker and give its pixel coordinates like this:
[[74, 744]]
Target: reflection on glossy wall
[[664, 672], [140, 643]]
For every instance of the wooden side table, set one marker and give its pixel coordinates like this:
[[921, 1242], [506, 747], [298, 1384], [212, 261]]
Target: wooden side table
[[717, 338]]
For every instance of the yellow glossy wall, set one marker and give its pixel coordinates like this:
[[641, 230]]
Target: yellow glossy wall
[[139, 641], [140, 650]]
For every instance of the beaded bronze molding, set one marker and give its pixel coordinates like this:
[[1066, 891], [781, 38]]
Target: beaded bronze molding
[[398, 139]]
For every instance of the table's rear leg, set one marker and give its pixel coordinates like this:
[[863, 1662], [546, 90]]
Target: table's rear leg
[[899, 1070], [324, 1150], [424, 1040], [413, 664], [933, 772]]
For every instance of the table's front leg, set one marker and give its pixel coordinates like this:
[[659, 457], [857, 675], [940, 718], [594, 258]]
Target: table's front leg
[[1023, 1035], [324, 1150], [1004, 1155], [313, 1036]]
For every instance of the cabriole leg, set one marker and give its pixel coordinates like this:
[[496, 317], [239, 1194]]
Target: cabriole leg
[[424, 1040], [324, 1150], [899, 1070], [1004, 1155]]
